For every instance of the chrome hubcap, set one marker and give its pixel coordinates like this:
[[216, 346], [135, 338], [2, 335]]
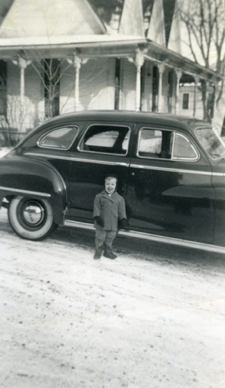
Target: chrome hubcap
[[33, 213]]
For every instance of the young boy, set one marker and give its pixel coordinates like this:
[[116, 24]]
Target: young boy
[[109, 208]]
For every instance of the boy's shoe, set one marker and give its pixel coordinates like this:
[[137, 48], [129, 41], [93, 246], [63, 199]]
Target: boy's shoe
[[98, 253], [109, 253]]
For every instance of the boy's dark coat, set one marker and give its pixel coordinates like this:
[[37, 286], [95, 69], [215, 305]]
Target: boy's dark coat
[[110, 208]]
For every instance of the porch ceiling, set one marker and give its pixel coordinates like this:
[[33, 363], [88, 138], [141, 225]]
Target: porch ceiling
[[172, 59], [94, 46], [61, 47]]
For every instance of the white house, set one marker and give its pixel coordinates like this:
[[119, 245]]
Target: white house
[[57, 57]]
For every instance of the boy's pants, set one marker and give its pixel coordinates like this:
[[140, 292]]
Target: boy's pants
[[106, 236]]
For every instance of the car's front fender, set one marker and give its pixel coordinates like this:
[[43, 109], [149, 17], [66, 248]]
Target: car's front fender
[[33, 178]]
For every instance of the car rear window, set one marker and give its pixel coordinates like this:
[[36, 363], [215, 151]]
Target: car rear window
[[183, 148], [211, 142], [60, 138]]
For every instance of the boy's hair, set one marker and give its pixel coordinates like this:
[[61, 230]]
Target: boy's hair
[[111, 176]]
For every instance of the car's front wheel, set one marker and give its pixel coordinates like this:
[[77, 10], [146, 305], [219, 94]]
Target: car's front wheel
[[31, 219]]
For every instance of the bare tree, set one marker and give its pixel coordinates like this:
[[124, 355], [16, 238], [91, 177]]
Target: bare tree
[[12, 116], [205, 38], [12, 123], [50, 71]]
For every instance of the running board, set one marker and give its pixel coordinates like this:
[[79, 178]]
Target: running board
[[152, 237]]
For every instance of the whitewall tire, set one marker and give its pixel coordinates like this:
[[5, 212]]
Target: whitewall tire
[[30, 218]]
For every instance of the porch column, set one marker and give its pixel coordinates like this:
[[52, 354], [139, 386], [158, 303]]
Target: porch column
[[77, 65], [22, 63], [161, 68], [195, 95], [76, 62], [178, 76], [139, 61]]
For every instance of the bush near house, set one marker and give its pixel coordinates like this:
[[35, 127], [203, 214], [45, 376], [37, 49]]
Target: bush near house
[[9, 137]]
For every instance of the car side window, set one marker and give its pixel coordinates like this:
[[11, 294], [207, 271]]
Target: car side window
[[154, 143], [183, 148], [60, 138], [165, 144], [110, 139]]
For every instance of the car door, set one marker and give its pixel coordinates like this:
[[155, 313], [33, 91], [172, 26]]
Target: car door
[[102, 149], [53, 145], [214, 146], [170, 191]]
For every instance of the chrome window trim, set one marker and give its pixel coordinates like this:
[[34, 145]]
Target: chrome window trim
[[179, 170], [55, 129], [184, 159], [94, 161], [169, 160], [104, 153], [20, 191], [127, 165], [48, 155], [74, 159], [218, 174]]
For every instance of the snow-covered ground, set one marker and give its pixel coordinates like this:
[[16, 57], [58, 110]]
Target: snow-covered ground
[[152, 318], [4, 151]]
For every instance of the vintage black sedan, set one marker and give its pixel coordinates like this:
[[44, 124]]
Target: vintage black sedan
[[171, 172]]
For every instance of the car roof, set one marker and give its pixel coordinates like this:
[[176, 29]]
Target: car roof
[[129, 116]]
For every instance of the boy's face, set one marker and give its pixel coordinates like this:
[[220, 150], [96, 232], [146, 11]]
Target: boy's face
[[110, 185]]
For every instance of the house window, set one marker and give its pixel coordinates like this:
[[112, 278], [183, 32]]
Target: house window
[[185, 103], [3, 87], [52, 86]]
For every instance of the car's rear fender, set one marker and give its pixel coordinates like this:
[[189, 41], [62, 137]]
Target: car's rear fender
[[34, 179]]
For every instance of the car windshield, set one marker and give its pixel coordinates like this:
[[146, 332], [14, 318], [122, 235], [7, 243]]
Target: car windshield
[[211, 142]]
